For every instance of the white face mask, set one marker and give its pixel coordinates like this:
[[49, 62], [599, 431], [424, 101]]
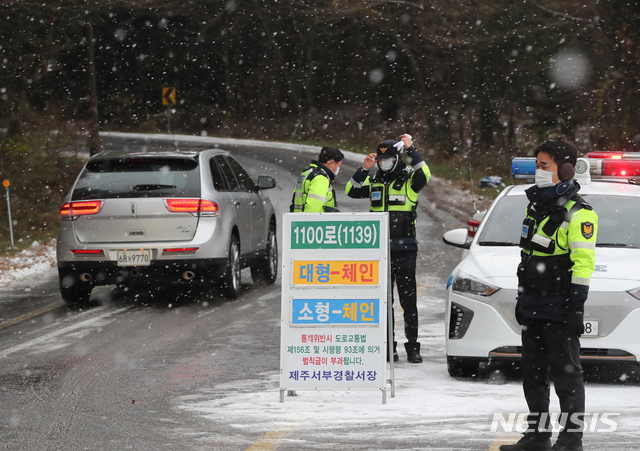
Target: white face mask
[[386, 164], [544, 178], [335, 174]]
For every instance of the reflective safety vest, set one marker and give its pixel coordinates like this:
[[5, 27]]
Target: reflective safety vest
[[559, 250], [396, 197], [313, 192]]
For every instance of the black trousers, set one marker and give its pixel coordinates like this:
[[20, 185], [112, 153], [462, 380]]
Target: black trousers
[[550, 351], [403, 276]]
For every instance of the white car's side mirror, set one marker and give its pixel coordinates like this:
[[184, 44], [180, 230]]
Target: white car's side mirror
[[457, 238], [266, 182]]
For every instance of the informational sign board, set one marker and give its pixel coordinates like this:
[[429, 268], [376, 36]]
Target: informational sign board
[[335, 271], [169, 96]]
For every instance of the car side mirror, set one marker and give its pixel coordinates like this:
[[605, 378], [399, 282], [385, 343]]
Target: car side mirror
[[266, 182], [457, 238]]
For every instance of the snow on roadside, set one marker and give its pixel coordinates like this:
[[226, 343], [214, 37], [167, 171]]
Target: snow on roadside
[[39, 257], [427, 400]]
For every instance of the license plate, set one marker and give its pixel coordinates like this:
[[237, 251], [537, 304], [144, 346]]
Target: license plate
[[134, 257], [590, 328]]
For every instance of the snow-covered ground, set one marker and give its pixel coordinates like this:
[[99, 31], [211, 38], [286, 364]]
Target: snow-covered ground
[[425, 397], [38, 258]]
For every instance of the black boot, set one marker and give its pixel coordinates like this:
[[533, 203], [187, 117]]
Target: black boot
[[413, 352], [529, 442]]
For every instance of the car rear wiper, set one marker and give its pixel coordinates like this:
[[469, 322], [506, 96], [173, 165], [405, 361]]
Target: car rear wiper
[[613, 245], [496, 243], [151, 187]]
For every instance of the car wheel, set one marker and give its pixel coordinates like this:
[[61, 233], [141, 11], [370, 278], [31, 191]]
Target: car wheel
[[231, 278], [74, 292], [265, 270], [461, 367]]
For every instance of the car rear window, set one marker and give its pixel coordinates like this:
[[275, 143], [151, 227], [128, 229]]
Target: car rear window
[[618, 221], [138, 177]]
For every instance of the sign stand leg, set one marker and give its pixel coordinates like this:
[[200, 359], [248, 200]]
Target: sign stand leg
[[289, 393], [390, 324]]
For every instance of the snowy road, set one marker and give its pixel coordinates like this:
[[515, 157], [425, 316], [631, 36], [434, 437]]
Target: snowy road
[[174, 371]]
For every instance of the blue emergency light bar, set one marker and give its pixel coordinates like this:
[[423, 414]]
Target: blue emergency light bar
[[523, 167]]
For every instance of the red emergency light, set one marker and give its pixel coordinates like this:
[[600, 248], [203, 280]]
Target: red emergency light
[[621, 168], [613, 155]]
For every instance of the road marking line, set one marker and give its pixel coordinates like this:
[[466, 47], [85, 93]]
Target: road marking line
[[272, 439], [30, 315], [268, 296], [95, 321]]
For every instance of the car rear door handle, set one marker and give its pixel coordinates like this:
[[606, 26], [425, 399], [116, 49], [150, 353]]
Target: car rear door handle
[[253, 203], [236, 203]]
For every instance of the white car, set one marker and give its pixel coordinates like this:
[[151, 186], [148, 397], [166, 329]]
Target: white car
[[481, 291]]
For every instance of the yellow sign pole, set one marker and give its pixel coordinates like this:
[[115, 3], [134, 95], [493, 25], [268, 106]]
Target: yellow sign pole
[[6, 184]]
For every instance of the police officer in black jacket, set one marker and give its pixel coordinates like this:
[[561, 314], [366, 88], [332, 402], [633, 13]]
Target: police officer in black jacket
[[394, 188], [558, 242]]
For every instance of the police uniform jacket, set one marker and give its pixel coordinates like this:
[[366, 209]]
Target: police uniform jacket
[[313, 192], [558, 244], [395, 192]]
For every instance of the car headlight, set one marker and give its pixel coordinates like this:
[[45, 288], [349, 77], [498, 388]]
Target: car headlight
[[635, 293], [466, 284]]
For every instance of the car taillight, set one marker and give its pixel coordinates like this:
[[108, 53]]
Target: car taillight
[[207, 206], [192, 206], [472, 227], [183, 205], [81, 208]]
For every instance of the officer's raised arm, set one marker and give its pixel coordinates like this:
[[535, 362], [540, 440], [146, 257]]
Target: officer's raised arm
[[356, 187], [413, 158]]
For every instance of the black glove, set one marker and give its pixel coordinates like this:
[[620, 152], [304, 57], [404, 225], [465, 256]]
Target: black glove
[[575, 322]]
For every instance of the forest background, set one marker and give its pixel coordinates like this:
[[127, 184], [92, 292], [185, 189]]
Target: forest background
[[474, 82]]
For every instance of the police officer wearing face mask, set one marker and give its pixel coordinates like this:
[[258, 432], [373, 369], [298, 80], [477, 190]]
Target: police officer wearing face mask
[[558, 244], [394, 187], [314, 192]]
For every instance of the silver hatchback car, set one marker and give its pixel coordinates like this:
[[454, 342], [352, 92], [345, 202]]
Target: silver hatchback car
[[190, 216]]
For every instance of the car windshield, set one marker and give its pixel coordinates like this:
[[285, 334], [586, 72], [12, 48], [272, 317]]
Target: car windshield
[[138, 177], [618, 220]]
